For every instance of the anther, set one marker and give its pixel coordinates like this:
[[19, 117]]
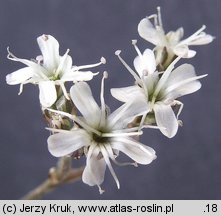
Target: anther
[[118, 52], [134, 42], [103, 60], [45, 37], [105, 74]]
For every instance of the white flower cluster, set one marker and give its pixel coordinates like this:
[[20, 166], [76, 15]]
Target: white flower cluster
[[150, 103], [49, 70], [171, 42]]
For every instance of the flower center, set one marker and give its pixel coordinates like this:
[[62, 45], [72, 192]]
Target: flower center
[[54, 77], [99, 139], [154, 98]]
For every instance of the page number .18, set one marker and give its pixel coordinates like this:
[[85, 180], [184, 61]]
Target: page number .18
[[211, 208]]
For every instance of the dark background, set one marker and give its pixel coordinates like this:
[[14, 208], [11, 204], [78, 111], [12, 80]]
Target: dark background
[[188, 166]]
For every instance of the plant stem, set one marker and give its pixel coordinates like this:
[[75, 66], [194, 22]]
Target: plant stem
[[61, 174]]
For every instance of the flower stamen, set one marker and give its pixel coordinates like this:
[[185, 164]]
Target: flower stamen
[[106, 158], [193, 36], [134, 43], [102, 61], [159, 17], [103, 113], [136, 77], [138, 133]]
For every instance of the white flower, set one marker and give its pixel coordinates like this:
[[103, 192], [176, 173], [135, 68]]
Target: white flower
[[159, 90], [172, 40], [49, 70], [101, 135]]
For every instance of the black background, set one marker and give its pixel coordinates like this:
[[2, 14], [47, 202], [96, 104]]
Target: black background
[[188, 166]]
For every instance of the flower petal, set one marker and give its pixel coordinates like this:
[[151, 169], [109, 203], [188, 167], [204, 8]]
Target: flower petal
[[19, 76], [147, 31], [65, 65], [61, 144], [47, 94], [136, 151], [181, 50], [190, 54], [150, 82], [165, 119], [127, 94], [145, 63], [94, 171], [78, 76], [184, 51], [182, 81], [49, 47], [183, 90], [174, 37], [122, 116], [83, 99], [202, 39], [183, 72], [39, 71], [163, 80]]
